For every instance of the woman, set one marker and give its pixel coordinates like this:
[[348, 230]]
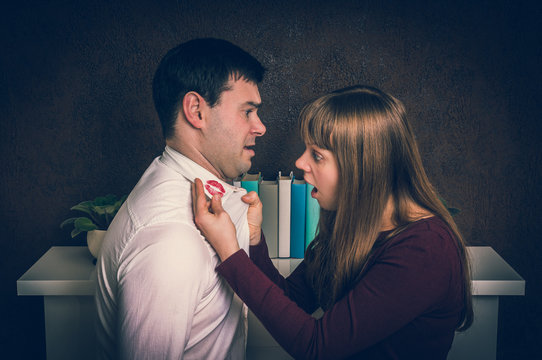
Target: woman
[[388, 267]]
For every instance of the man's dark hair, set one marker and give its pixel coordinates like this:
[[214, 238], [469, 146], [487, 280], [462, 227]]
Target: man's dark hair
[[201, 65]]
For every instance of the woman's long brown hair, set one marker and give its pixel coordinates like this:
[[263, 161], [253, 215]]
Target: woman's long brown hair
[[378, 157]]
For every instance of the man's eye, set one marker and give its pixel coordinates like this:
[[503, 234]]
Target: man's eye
[[247, 113]]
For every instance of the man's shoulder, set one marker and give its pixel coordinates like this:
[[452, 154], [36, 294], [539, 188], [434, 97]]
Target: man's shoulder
[[158, 177], [171, 245], [175, 237], [161, 195]]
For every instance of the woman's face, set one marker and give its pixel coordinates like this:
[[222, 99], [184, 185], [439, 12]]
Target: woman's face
[[320, 170]]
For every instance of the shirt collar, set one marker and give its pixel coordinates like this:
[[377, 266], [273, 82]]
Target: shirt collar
[[191, 170]]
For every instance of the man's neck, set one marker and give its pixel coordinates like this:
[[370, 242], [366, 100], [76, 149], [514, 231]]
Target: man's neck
[[196, 156]]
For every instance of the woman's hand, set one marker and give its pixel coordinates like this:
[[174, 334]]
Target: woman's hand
[[254, 216], [213, 222]]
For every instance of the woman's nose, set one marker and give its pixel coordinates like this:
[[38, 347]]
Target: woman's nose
[[301, 164]]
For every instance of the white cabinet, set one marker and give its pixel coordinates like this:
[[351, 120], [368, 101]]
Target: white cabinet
[[64, 277]]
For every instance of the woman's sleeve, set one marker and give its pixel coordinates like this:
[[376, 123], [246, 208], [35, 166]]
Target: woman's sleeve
[[294, 286], [404, 283], [259, 254]]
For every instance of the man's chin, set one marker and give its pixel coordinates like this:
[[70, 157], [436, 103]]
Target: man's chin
[[244, 169], [239, 171]]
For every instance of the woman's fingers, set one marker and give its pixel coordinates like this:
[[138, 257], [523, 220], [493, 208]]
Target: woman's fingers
[[216, 205], [254, 216], [251, 199], [200, 204], [213, 222]]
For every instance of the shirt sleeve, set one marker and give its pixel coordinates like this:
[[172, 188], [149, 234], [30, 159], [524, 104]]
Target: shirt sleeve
[[160, 284], [405, 281]]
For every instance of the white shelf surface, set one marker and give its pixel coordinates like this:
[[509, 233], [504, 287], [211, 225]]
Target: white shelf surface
[[491, 275], [68, 270], [65, 277], [62, 270]]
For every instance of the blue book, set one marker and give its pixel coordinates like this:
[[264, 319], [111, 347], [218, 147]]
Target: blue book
[[297, 219], [250, 182], [312, 215]]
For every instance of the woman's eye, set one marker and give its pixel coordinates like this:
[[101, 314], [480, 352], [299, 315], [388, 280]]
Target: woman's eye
[[317, 157]]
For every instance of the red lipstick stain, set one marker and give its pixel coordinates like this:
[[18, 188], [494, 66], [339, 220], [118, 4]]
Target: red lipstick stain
[[215, 188]]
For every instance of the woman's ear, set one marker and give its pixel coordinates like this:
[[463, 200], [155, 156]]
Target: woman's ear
[[193, 108]]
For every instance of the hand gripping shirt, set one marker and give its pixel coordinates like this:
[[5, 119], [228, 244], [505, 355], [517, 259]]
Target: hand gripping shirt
[[158, 295]]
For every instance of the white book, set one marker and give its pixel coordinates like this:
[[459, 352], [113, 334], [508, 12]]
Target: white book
[[269, 197], [285, 192]]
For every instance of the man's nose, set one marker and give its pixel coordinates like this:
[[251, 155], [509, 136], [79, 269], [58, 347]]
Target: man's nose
[[259, 128]]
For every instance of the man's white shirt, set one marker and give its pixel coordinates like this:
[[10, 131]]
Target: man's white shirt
[[158, 295]]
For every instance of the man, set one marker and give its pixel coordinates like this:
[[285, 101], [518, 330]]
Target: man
[[158, 295]]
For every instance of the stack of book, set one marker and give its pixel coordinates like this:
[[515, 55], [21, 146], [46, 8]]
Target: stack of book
[[290, 214]]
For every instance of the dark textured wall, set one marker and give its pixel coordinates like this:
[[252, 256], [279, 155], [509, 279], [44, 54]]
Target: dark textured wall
[[77, 118]]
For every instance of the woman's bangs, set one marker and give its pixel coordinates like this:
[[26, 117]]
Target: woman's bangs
[[316, 126]]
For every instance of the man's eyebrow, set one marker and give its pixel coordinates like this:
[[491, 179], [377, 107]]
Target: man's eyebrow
[[254, 104]]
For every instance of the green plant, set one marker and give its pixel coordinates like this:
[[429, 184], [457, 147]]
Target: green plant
[[453, 211], [100, 211]]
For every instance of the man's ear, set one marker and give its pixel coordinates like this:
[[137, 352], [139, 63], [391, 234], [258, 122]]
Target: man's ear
[[194, 107]]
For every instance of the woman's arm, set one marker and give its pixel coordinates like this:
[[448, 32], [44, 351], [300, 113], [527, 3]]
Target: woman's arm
[[259, 254], [215, 224], [406, 282], [294, 286]]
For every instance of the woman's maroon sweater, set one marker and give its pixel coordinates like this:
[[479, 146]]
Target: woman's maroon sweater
[[406, 305]]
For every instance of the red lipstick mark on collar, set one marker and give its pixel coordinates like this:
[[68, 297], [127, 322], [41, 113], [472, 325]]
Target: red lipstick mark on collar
[[215, 188]]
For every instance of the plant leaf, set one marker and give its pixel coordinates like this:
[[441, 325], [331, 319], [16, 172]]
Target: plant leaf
[[75, 232], [85, 206], [101, 212], [84, 224], [67, 222], [453, 211], [443, 201], [100, 209], [110, 209], [109, 199]]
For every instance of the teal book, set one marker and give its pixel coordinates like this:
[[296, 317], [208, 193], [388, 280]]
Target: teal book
[[312, 215], [297, 218], [269, 197], [250, 182], [285, 191]]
